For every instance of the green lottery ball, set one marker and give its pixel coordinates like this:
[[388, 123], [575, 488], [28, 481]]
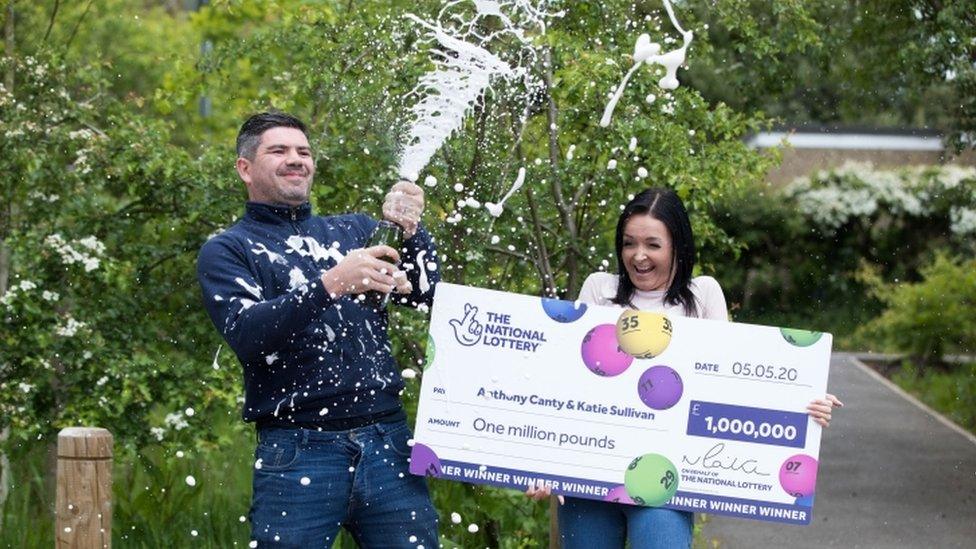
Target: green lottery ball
[[429, 359], [651, 480], [800, 338]]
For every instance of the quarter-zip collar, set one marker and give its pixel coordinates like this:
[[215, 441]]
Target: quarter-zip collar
[[277, 214]]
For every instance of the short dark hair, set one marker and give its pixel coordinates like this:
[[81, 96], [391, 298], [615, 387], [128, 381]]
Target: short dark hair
[[665, 206], [249, 137]]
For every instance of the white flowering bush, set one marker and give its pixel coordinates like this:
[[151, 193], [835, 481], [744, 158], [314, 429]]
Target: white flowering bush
[[88, 329], [857, 191], [804, 245]]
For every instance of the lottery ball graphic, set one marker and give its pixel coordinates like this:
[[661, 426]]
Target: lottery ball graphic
[[798, 475], [660, 387], [643, 334], [563, 311], [423, 461], [806, 501], [800, 338], [619, 495], [601, 354], [651, 480], [429, 358]]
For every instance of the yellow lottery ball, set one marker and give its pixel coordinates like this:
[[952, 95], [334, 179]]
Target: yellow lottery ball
[[643, 334]]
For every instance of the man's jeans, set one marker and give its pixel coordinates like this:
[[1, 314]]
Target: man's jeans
[[308, 484]]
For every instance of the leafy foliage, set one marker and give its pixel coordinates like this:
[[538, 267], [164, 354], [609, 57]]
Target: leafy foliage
[[113, 180], [803, 246], [929, 318]]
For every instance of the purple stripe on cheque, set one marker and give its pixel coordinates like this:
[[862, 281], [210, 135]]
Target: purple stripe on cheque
[[592, 489], [745, 424]]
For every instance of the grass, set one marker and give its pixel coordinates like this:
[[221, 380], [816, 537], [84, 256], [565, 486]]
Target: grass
[[950, 390], [154, 506]]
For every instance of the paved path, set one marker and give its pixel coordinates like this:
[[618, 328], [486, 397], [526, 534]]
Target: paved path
[[891, 475]]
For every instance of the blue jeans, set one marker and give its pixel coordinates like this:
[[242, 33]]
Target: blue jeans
[[308, 484], [592, 524]]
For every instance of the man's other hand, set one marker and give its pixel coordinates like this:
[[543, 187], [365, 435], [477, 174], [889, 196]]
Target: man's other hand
[[404, 205], [363, 270]]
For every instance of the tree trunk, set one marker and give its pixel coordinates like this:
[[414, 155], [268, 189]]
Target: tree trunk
[[565, 207]]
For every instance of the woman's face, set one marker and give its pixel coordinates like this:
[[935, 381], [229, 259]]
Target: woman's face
[[647, 253]]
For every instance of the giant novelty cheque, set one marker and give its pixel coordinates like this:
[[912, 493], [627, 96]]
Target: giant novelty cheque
[[621, 405]]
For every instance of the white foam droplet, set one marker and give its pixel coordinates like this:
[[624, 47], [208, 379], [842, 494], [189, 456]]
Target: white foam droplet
[[456, 518], [305, 481], [496, 209], [190, 481], [473, 528], [430, 181]]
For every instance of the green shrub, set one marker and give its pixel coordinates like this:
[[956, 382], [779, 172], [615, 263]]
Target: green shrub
[[802, 247], [930, 318]]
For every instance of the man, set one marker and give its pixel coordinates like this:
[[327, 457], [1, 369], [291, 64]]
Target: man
[[284, 288]]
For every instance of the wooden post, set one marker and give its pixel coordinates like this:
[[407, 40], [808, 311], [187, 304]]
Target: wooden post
[[83, 512], [554, 541]]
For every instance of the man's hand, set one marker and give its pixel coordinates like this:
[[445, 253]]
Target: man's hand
[[404, 205], [403, 285], [365, 269]]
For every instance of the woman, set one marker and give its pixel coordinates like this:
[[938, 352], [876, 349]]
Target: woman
[[655, 258]]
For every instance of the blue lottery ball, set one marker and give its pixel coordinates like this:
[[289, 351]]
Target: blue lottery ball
[[563, 311], [806, 501]]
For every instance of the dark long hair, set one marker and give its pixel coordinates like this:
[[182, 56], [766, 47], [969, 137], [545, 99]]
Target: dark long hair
[[665, 206]]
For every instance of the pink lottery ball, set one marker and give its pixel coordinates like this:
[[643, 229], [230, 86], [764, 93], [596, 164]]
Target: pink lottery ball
[[601, 352], [798, 475], [619, 495]]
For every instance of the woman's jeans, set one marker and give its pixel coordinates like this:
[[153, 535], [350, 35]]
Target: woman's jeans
[[592, 524], [308, 484]]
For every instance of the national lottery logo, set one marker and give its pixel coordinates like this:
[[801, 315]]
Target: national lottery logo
[[494, 329], [467, 329]]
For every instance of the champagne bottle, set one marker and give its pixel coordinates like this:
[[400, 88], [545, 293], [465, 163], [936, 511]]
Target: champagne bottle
[[389, 234]]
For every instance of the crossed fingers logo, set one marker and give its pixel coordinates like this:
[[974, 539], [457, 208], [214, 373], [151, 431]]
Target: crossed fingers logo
[[467, 330]]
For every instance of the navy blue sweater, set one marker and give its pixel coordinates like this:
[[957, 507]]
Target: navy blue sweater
[[307, 357]]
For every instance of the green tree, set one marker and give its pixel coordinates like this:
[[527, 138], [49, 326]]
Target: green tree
[[907, 62], [116, 182]]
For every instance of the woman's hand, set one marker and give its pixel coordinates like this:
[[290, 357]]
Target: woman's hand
[[541, 492], [821, 408]]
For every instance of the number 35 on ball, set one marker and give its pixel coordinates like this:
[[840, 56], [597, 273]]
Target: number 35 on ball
[[643, 334]]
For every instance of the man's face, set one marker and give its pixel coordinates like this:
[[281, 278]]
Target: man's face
[[282, 169]]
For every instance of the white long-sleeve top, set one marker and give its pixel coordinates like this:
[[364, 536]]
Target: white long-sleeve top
[[600, 288]]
